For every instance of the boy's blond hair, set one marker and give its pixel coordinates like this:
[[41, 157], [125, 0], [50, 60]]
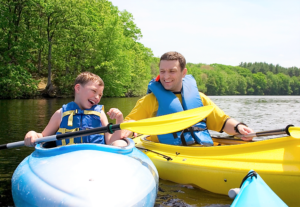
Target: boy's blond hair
[[84, 77]]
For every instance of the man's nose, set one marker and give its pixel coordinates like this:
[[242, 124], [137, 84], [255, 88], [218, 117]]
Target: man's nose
[[167, 75]]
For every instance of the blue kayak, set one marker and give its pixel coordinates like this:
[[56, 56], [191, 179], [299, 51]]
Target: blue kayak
[[85, 175], [255, 192]]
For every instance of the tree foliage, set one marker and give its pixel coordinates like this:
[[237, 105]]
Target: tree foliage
[[265, 68], [61, 38], [217, 79]]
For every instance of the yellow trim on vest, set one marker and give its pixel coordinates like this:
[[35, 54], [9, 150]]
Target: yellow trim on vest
[[70, 119], [71, 113], [71, 140], [92, 113]]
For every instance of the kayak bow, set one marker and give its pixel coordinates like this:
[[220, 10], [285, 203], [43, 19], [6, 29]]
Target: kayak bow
[[85, 175]]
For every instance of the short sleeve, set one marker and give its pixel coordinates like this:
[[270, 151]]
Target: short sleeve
[[216, 120], [146, 107]]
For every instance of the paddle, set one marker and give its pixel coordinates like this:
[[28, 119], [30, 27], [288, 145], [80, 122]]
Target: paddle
[[152, 126], [289, 130], [295, 132]]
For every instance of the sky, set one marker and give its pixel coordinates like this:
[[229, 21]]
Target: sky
[[220, 31]]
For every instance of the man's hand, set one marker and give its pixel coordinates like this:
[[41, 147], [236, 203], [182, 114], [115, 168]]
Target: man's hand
[[244, 130], [127, 133]]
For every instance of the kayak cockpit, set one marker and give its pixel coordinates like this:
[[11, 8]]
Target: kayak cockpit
[[50, 148], [218, 141]]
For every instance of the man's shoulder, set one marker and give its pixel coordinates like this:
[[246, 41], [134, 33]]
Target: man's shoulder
[[205, 99], [148, 97]]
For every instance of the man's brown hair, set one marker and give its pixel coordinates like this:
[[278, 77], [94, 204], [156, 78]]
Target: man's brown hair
[[174, 56], [84, 77]]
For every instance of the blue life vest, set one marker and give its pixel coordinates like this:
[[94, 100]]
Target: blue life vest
[[168, 103], [75, 119]]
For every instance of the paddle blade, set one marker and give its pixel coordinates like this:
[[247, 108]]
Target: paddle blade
[[168, 123], [294, 132]]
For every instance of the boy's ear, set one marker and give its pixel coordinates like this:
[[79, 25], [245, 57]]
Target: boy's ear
[[77, 87]]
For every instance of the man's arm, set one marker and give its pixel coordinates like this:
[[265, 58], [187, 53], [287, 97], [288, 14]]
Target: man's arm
[[233, 127]]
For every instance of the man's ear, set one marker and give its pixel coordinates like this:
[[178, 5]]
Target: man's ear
[[184, 72], [77, 87]]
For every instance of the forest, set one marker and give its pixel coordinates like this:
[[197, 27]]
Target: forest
[[217, 79], [57, 39]]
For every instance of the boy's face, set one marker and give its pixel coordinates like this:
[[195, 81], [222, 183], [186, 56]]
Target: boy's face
[[171, 75], [88, 95]]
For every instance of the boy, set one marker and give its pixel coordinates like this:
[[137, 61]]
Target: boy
[[80, 114]]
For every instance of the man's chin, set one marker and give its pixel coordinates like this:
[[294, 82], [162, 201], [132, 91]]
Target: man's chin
[[167, 87]]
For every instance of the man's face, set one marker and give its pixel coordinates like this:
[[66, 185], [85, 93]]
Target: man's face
[[171, 75]]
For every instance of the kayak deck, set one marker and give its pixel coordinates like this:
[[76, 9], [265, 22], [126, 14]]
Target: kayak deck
[[85, 175], [221, 167]]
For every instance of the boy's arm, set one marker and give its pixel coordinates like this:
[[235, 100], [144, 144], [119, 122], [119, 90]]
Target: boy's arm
[[50, 129], [104, 122], [113, 113], [53, 124]]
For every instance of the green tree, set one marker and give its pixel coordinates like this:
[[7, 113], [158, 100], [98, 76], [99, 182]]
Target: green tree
[[295, 85], [284, 85], [16, 42], [260, 83]]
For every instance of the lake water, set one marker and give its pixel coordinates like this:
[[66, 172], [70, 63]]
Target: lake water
[[19, 116]]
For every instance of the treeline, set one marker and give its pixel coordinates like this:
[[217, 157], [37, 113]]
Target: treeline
[[217, 79], [265, 67], [59, 39]]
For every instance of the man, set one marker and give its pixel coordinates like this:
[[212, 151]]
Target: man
[[174, 91]]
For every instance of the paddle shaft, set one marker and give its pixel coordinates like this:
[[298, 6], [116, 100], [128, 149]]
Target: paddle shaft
[[109, 128], [152, 126], [264, 133]]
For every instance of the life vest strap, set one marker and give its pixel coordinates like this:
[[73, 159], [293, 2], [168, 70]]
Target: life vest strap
[[92, 113], [65, 130], [182, 137], [71, 113], [191, 130]]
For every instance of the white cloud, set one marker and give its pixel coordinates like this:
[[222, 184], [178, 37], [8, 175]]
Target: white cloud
[[217, 31]]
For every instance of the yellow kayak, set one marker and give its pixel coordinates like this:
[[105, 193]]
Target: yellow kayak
[[222, 166]]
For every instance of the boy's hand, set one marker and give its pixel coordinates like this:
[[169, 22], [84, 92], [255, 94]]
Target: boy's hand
[[115, 113], [30, 138]]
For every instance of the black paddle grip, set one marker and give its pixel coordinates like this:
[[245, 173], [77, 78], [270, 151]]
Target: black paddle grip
[[287, 129], [3, 146]]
